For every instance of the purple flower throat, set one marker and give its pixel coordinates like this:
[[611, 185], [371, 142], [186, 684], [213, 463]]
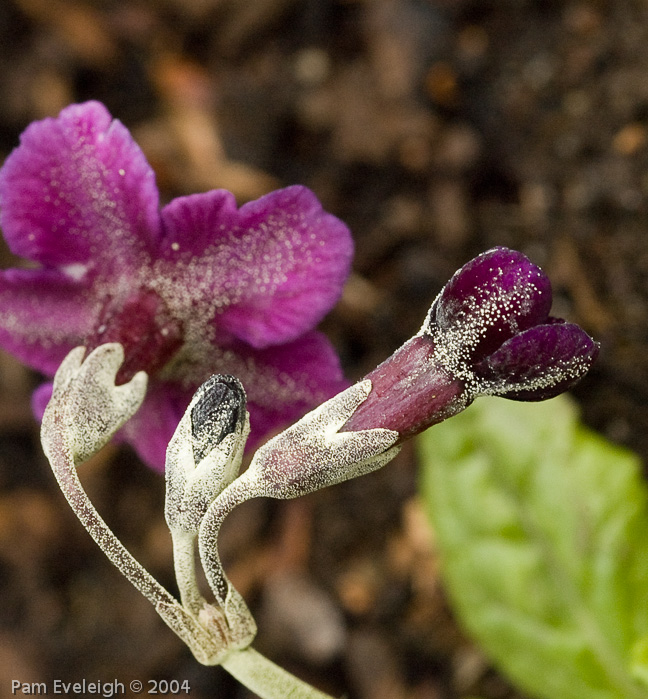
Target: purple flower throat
[[144, 325]]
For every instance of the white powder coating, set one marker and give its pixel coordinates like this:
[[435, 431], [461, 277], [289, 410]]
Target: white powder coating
[[86, 399], [309, 455], [197, 290], [86, 389], [489, 306], [316, 454], [313, 453]]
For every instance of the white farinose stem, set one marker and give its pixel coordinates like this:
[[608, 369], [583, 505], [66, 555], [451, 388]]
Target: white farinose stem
[[184, 624], [62, 462], [236, 493], [215, 634], [184, 562], [266, 679]]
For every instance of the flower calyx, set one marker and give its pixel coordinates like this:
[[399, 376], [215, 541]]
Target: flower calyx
[[313, 453], [86, 404]]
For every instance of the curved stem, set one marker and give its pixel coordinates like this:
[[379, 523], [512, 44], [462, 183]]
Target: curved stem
[[251, 668], [185, 570], [236, 493], [61, 459], [206, 648], [266, 679]]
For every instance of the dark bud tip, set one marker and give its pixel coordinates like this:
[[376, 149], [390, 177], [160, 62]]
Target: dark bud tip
[[218, 411]]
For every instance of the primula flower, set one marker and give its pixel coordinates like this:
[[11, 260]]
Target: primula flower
[[488, 332], [195, 288]]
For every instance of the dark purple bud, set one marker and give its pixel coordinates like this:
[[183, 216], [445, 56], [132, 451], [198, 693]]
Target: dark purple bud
[[219, 410], [488, 333], [489, 300]]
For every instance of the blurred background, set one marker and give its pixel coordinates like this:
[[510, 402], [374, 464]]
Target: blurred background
[[435, 129]]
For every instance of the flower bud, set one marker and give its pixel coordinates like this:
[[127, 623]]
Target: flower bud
[[488, 332], [204, 455]]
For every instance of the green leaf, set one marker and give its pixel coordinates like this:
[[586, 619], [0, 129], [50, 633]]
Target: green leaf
[[640, 660], [543, 531]]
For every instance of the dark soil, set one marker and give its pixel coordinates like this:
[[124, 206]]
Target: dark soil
[[435, 130]]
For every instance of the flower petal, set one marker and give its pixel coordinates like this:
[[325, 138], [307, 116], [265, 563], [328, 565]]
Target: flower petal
[[43, 315], [490, 299], [40, 398], [79, 190], [283, 381], [538, 364], [267, 272]]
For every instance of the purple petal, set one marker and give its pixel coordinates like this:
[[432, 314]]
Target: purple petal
[[490, 299], [40, 398], [145, 327], [538, 364], [283, 381], [410, 391], [286, 379], [79, 190], [267, 272], [43, 315]]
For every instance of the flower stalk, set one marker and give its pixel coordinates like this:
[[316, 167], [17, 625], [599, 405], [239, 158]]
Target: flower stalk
[[78, 389], [267, 679], [184, 564]]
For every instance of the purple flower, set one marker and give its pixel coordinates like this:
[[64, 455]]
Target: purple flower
[[488, 332], [196, 288]]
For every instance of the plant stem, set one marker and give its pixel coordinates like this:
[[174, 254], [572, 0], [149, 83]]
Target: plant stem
[[209, 643], [61, 459], [266, 679], [206, 648], [236, 492], [185, 571]]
